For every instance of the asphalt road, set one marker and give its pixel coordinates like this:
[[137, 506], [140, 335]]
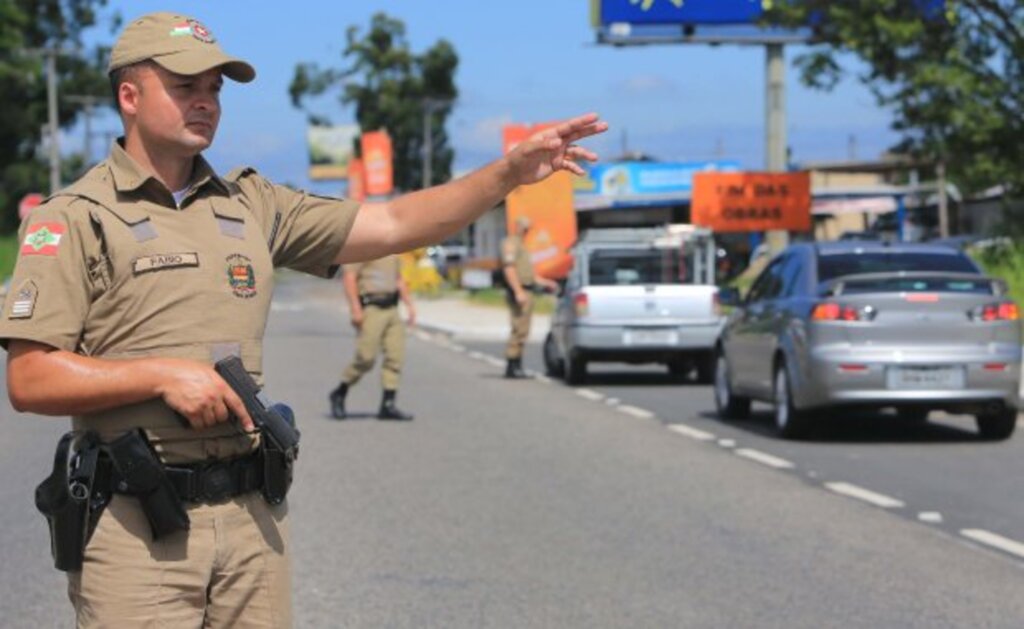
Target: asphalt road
[[527, 505]]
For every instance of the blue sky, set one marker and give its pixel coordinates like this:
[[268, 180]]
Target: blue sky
[[521, 61]]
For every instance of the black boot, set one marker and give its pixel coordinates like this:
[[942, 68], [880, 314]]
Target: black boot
[[388, 410], [514, 368], [338, 401]]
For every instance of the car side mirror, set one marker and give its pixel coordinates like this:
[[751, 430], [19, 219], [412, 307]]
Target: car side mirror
[[729, 296]]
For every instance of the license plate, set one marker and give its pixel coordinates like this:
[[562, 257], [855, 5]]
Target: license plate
[[925, 378], [650, 337]]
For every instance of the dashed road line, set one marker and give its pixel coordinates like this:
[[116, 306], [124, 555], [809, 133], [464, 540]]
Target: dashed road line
[[491, 360], [477, 355], [853, 491], [690, 432], [995, 540], [635, 411], [931, 517], [765, 459], [727, 443], [541, 378], [589, 394]]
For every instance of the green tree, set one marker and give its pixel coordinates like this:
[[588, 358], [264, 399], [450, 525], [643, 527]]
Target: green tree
[[26, 28], [951, 73], [391, 87]]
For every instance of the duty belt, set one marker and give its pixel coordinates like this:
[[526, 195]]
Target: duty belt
[[213, 481], [380, 300]]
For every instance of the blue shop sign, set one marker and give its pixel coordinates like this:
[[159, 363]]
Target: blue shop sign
[[653, 178]]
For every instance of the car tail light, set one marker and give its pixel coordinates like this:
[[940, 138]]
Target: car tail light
[[1005, 311], [581, 304], [831, 311]]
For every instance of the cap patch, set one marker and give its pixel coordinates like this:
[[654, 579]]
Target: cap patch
[[24, 301], [42, 239], [241, 276], [193, 28]]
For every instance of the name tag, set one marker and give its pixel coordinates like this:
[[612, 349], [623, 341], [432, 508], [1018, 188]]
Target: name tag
[[163, 261]]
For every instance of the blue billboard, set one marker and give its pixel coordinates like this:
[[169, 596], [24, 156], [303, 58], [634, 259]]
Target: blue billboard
[[638, 179], [678, 11]]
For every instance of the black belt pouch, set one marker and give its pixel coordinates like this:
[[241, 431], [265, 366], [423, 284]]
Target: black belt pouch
[[64, 499], [142, 475]]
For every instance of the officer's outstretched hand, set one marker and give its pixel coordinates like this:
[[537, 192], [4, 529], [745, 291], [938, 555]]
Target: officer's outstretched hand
[[196, 392], [554, 149]]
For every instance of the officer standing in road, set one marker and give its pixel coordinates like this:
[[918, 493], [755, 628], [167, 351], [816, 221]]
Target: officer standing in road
[[520, 285], [373, 290], [134, 280]]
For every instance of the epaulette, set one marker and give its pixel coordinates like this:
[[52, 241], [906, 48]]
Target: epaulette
[[240, 173]]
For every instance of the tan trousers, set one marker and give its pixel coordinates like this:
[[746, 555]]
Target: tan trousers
[[382, 327], [520, 316], [231, 569]]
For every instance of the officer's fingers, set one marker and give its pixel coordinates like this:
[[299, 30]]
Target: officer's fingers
[[220, 411], [237, 409], [206, 418]]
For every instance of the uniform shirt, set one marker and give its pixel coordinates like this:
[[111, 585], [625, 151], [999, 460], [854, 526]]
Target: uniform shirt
[[111, 268], [377, 276], [514, 253]]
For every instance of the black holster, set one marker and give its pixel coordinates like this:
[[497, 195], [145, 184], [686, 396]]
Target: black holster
[[68, 499], [277, 463], [140, 473]]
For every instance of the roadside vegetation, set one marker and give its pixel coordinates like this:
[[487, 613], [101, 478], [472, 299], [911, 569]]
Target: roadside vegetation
[[1006, 263], [8, 252]]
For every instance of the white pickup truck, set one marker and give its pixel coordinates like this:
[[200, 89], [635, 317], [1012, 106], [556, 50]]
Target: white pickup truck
[[638, 296]]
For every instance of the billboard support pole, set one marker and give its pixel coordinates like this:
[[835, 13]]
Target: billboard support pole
[[775, 126]]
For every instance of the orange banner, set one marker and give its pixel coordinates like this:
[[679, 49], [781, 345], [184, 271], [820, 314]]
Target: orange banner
[[549, 206], [377, 158], [751, 202], [356, 180]]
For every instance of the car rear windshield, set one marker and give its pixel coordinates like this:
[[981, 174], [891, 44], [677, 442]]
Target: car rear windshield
[[627, 267], [919, 285], [831, 266]]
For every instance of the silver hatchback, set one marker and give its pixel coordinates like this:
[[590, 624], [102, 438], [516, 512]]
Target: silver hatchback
[[916, 328]]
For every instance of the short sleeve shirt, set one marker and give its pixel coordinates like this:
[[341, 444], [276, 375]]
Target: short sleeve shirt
[[377, 276], [111, 267], [515, 254]]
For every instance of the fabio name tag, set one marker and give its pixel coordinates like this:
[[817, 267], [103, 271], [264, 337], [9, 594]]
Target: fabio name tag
[[163, 261]]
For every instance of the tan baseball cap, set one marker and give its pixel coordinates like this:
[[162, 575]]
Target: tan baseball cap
[[178, 43]]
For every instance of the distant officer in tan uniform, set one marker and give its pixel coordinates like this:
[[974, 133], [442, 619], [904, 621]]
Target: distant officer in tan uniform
[[131, 282], [373, 290], [520, 283]]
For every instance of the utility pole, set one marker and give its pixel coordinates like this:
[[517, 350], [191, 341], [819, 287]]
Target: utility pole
[[430, 105], [775, 127], [88, 103]]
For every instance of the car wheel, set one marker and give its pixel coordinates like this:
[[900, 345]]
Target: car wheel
[[997, 426], [728, 405], [790, 422], [575, 369], [552, 365], [707, 364]]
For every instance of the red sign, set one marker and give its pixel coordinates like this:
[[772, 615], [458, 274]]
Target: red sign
[[356, 180], [27, 203], [377, 162], [747, 202]]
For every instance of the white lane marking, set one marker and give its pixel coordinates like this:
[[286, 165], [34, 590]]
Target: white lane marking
[[541, 378], [612, 401], [727, 443], [853, 491], [589, 394], [423, 336], [765, 459], [994, 540], [636, 412], [931, 517], [692, 433], [277, 306], [457, 349], [477, 355], [491, 360]]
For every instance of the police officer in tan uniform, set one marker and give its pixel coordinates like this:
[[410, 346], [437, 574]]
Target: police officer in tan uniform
[[373, 290], [520, 283], [131, 282]]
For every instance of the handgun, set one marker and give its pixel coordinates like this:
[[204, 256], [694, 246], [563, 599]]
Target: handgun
[[266, 415]]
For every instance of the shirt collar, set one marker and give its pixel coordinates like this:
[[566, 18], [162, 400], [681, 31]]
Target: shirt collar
[[129, 176]]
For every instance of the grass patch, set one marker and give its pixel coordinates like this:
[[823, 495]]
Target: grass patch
[[495, 297], [8, 254]]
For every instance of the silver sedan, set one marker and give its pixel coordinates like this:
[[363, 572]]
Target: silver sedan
[[915, 328]]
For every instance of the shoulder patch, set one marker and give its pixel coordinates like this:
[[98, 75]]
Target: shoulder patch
[[24, 301], [43, 238]]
